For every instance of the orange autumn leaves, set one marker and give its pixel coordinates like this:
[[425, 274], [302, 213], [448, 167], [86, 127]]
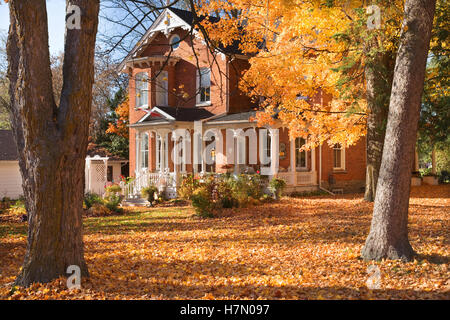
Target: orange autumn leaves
[[295, 54], [120, 127], [298, 248]]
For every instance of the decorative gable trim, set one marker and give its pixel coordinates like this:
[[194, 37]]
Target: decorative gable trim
[[166, 22], [155, 111]]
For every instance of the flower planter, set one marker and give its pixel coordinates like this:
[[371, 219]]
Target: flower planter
[[431, 180], [416, 181]]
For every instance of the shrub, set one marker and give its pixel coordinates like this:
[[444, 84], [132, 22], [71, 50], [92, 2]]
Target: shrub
[[149, 193], [112, 189], [113, 203], [18, 208], [187, 187], [444, 177], [202, 201], [277, 186], [92, 198]]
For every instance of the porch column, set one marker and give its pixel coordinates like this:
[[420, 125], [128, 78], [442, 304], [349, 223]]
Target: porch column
[[313, 159], [176, 152], [186, 151], [137, 168], [293, 166], [157, 151], [274, 151], [197, 143], [203, 155]]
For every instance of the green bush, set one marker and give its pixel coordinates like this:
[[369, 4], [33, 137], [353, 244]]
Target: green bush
[[444, 177], [187, 187], [149, 193], [115, 188], [277, 186], [113, 203], [202, 202], [92, 198]]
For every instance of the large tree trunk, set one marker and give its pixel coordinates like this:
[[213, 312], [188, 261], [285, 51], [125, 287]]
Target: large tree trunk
[[51, 139], [388, 237]]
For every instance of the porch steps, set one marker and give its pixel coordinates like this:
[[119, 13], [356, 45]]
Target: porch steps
[[135, 202]]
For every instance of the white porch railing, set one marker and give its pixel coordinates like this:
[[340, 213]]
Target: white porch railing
[[162, 180], [299, 178]]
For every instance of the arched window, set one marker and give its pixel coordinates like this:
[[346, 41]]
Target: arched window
[[141, 84], [175, 41]]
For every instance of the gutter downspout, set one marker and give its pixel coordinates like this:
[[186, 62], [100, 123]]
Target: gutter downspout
[[320, 172]]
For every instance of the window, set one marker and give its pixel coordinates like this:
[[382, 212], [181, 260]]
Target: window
[[267, 149], [144, 151], [175, 41], [141, 90], [109, 174], [161, 89], [300, 155], [338, 157], [204, 86]]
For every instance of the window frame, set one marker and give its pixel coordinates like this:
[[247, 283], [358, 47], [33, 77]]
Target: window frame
[[144, 152], [199, 102], [341, 148], [297, 152], [162, 90], [138, 90], [171, 39]]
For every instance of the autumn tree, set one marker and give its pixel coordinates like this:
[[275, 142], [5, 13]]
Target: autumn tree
[[388, 237], [51, 134], [113, 126]]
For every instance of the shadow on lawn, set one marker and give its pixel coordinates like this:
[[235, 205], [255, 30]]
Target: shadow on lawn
[[182, 279]]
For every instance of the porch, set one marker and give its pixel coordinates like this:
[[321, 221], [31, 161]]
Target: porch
[[167, 149]]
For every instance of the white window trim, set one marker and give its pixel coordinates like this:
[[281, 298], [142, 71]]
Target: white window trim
[[159, 90], [170, 41], [145, 139], [306, 156], [198, 102], [137, 90], [342, 167]]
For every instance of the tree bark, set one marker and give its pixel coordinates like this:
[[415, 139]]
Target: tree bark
[[378, 84], [388, 237], [51, 139]]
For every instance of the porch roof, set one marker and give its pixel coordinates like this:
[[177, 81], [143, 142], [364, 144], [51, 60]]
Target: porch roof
[[165, 115], [233, 117]]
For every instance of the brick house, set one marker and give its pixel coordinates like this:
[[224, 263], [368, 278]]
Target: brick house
[[176, 83]]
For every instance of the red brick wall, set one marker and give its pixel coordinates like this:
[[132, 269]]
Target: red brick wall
[[352, 178]]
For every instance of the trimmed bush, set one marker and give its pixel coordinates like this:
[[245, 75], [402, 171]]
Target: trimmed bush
[[149, 193], [92, 198], [277, 186], [202, 202]]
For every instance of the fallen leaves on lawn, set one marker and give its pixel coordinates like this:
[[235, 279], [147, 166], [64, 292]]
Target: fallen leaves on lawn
[[298, 248]]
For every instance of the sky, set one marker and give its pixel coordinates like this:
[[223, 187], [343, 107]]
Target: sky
[[56, 12]]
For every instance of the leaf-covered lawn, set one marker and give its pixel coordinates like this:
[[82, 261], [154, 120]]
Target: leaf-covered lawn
[[299, 248]]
